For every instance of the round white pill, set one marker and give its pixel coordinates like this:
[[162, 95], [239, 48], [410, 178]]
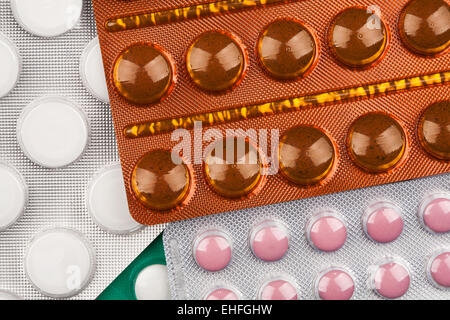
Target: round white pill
[[9, 65], [8, 295], [59, 262], [13, 195], [152, 283], [53, 132], [92, 72], [47, 18], [107, 201]]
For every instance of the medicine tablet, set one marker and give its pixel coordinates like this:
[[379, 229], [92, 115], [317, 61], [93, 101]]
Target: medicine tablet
[[233, 167], [434, 130], [383, 222], [212, 251], [269, 241], [222, 294], [13, 195], [53, 131], [439, 269], [326, 231], [59, 262], [158, 182], [358, 37], [47, 18], [152, 283], [92, 72], [216, 61], [8, 295], [335, 284], [434, 213], [9, 64], [391, 279], [278, 289], [424, 26], [107, 202]]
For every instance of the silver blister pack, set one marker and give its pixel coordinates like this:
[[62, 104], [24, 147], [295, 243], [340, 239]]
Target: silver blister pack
[[303, 264], [50, 66]]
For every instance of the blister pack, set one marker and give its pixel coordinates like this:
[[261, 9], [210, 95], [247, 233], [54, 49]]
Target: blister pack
[[345, 87], [390, 241], [65, 227]]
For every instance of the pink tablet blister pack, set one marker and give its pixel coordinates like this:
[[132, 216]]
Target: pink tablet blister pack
[[383, 242]]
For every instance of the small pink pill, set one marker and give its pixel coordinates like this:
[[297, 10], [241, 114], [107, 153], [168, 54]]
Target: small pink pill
[[383, 223], [278, 290], [212, 252], [222, 294], [391, 280], [440, 269], [269, 241], [335, 285], [435, 213], [327, 233]]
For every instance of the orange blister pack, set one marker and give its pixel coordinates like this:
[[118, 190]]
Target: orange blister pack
[[224, 105]]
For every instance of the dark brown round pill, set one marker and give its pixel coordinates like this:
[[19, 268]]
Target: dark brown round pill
[[358, 37], [425, 26], [216, 61], [286, 49], [376, 142], [143, 74], [306, 155], [434, 130], [158, 182], [233, 168]]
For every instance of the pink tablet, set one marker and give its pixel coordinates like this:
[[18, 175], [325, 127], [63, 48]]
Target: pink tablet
[[278, 290], [391, 279], [326, 231], [439, 268], [212, 251], [222, 294], [383, 222], [269, 241], [434, 213], [335, 284]]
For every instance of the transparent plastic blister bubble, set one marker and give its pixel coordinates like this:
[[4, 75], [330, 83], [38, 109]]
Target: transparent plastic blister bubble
[[49, 66], [377, 247]]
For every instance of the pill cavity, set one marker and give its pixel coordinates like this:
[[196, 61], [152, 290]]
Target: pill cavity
[[278, 289], [158, 182], [212, 251], [152, 283], [92, 72], [143, 74], [107, 201], [358, 37], [222, 294], [269, 241], [376, 142], [59, 262], [439, 269], [47, 18], [216, 61], [434, 130], [383, 222], [53, 131], [287, 49], [233, 167], [306, 155], [9, 64], [391, 279], [335, 284], [13, 195], [424, 26], [434, 213], [326, 231]]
